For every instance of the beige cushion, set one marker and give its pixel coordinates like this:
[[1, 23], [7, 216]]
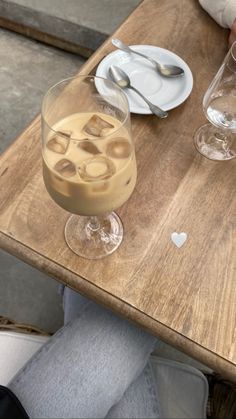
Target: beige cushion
[[169, 352]]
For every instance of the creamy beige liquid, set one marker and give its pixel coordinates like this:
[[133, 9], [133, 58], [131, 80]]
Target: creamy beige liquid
[[87, 174]]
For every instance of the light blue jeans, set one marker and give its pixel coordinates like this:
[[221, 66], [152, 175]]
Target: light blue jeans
[[96, 366]]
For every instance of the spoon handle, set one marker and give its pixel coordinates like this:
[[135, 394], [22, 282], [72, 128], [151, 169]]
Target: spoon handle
[[144, 56], [155, 109], [120, 45]]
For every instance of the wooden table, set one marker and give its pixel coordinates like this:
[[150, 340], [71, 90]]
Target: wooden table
[[186, 296]]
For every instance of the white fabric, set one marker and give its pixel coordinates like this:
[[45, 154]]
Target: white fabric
[[163, 350], [229, 13], [15, 350], [222, 11], [182, 390]]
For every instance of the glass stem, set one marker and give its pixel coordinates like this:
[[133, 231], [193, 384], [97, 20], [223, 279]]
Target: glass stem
[[93, 224], [222, 138]]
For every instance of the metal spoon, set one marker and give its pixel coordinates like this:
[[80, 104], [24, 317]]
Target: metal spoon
[[123, 81], [164, 69]]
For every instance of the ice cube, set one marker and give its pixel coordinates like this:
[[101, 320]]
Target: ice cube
[[100, 187], [89, 147], [119, 148], [97, 126], [59, 142], [96, 168], [65, 133], [65, 167]]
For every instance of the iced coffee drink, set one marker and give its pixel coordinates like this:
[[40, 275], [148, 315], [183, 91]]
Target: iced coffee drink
[[89, 165]]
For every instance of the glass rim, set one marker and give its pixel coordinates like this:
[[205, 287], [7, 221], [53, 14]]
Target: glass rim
[[78, 77], [232, 48]]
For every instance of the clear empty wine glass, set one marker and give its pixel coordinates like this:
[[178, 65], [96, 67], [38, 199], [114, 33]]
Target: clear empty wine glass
[[89, 165], [217, 140]]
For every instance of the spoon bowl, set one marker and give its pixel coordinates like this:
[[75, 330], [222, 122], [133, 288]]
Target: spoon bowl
[[166, 70], [123, 81]]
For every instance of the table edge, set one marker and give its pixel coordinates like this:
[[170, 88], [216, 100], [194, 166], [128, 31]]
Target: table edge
[[226, 368]]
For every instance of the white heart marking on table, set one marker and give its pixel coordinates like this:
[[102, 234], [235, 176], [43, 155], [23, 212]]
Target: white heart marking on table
[[179, 238]]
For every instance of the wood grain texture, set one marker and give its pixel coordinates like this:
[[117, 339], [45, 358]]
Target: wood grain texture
[[186, 296]]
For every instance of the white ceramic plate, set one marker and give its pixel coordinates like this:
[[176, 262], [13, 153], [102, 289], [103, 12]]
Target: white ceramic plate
[[164, 92]]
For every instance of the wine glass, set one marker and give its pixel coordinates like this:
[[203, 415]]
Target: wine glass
[[216, 140], [89, 165]]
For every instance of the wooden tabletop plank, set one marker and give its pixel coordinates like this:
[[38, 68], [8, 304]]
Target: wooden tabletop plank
[[187, 295]]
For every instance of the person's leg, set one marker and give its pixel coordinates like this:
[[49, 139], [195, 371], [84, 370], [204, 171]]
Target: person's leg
[[163, 389], [141, 400], [86, 367], [73, 304]]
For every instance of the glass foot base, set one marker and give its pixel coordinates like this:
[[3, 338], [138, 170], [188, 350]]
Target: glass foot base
[[214, 144], [94, 237]]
